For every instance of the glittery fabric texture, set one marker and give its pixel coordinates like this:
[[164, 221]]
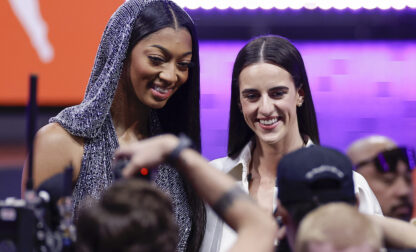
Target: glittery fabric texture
[[92, 121]]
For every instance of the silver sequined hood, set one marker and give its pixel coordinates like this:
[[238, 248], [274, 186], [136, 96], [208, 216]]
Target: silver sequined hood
[[92, 121], [85, 120]]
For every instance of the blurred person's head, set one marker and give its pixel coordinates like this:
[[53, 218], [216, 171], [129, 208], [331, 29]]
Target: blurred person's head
[[387, 169], [132, 215], [338, 227], [308, 178], [270, 95]]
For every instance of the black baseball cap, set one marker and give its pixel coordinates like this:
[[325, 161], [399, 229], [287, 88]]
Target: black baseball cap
[[315, 174]]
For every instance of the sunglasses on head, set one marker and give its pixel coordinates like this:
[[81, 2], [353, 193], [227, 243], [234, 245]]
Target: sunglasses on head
[[386, 161]]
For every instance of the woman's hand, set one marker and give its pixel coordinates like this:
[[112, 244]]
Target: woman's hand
[[146, 153]]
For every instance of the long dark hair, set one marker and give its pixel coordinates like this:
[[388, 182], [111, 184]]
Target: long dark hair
[[281, 52], [181, 113]]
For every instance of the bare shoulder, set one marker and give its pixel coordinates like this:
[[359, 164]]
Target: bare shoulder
[[53, 135], [54, 149]]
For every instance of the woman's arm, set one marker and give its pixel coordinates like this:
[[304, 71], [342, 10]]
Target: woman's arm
[[256, 229], [54, 149]]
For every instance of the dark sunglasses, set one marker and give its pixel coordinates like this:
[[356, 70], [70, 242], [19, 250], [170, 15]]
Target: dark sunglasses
[[386, 161]]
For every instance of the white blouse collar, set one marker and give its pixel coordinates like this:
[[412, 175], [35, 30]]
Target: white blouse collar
[[240, 164]]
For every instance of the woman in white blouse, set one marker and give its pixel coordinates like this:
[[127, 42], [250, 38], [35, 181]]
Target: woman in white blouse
[[271, 114]]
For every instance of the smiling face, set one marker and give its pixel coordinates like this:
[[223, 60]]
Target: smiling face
[[268, 99], [159, 65]]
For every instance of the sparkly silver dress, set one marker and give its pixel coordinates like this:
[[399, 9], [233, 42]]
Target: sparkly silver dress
[[92, 121]]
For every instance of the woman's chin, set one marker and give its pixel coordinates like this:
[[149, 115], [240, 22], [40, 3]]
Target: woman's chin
[[156, 104], [270, 139]]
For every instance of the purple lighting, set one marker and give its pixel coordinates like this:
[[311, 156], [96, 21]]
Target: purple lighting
[[297, 4], [359, 88]]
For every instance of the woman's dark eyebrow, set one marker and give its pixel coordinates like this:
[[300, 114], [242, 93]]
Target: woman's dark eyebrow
[[279, 88], [166, 51], [249, 90]]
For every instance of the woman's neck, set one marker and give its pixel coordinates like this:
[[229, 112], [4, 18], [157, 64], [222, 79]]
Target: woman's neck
[[266, 156], [130, 116]]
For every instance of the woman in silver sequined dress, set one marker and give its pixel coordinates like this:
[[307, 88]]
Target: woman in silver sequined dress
[[145, 81]]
